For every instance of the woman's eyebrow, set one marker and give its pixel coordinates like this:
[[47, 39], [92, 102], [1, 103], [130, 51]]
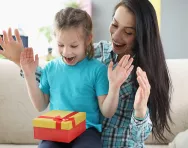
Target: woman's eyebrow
[[126, 27]]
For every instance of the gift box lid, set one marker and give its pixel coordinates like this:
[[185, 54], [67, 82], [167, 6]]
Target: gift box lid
[[57, 119]]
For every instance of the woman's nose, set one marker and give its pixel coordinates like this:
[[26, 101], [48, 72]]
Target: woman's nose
[[117, 35]]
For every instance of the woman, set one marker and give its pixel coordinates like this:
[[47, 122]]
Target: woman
[[134, 30]]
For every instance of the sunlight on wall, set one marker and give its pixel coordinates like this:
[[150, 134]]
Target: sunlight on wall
[[30, 16], [157, 6]]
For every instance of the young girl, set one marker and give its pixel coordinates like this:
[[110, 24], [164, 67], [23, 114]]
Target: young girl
[[75, 81]]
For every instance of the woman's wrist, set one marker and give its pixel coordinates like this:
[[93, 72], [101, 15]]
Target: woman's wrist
[[140, 114]]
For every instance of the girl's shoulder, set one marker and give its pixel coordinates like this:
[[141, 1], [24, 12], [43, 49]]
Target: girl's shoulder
[[95, 63], [53, 63]]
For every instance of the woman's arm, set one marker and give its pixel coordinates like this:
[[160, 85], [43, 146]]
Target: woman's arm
[[141, 126], [139, 129], [11, 48]]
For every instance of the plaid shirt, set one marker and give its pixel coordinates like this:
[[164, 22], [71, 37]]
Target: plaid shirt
[[123, 130]]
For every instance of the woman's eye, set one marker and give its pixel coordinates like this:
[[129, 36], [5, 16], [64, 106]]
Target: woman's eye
[[128, 33], [114, 25]]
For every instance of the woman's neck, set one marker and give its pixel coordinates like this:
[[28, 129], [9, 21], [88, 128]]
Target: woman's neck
[[121, 55]]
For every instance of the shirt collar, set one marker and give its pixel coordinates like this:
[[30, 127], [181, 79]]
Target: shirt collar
[[114, 56]]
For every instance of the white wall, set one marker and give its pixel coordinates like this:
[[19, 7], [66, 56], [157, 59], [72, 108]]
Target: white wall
[[102, 16], [174, 28], [33, 14]]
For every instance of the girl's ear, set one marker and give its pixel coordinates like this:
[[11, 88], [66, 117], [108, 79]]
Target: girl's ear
[[89, 39]]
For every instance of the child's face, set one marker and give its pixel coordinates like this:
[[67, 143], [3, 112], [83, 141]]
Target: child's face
[[71, 45]]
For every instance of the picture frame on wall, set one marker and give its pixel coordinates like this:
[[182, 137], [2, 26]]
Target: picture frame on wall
[[24, 40]]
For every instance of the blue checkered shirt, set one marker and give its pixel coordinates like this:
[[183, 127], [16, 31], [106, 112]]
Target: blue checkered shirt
[[123, 130]]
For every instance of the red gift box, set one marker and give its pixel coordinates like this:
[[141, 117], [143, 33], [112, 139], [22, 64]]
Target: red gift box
[[59, 126]]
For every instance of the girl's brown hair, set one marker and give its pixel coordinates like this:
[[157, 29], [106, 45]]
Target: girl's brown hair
[[71, 17]]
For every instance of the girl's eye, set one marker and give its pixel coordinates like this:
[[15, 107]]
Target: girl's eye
[[74, 46], [60, 45]]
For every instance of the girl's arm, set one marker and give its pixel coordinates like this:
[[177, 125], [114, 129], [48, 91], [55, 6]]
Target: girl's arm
[[39, 100], [108, 103], [117, 76], [29, 65]]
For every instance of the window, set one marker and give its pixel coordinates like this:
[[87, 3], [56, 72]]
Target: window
[[31, 15]]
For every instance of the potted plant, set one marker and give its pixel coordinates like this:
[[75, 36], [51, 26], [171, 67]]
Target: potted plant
[[48, 33], [80, 4], [73, 4]]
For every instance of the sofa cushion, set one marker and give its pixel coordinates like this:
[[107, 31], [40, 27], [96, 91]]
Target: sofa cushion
[[16, 109], [178, 69]]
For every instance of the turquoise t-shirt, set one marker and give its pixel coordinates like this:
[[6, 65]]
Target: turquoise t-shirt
[[76, 88]]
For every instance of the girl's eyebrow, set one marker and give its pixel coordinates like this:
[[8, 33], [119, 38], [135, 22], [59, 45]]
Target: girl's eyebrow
[[73, 42], [126, 27], [59, 42]]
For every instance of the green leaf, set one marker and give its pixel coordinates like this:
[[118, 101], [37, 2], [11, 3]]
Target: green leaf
[[47, 32], [2, 57], [73, 4]]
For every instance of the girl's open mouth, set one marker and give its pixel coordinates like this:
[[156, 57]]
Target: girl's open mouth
[[69, 60]]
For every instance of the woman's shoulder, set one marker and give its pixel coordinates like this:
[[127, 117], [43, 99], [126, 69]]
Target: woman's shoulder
[[103, 44], [102, 50]]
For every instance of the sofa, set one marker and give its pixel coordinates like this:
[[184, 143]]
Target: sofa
[[17, 112]]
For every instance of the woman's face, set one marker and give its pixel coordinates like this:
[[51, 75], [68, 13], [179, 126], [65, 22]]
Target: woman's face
[[122, 30]]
